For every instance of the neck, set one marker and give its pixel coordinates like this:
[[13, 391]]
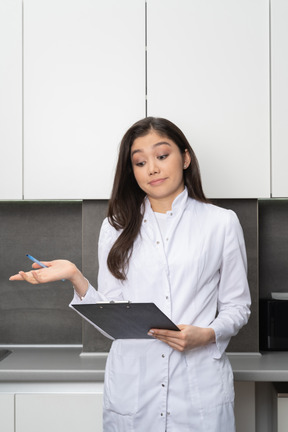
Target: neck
[[164, 204], [160, 206]]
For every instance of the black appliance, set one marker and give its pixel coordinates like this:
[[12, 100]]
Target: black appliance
[[273, 323]]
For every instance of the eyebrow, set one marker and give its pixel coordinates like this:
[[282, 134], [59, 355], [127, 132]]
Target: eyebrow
[[154, 146]]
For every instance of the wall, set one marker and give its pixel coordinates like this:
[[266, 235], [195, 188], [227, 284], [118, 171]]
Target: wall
[[273, 244], [38, 314], [32, 314]]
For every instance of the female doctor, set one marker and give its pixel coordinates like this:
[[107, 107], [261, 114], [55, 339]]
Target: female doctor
[[163, 242]]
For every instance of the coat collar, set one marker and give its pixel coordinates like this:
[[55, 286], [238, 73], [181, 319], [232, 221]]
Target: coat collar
[[178, 204]]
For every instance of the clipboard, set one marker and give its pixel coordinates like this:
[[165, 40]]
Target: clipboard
[[125, 320]]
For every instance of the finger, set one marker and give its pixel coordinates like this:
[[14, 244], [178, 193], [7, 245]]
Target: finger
[[28, 277], [45, 263], [172, 338], [176, 344], [16, 277], [171, 334], [40, 276], [36, 266]]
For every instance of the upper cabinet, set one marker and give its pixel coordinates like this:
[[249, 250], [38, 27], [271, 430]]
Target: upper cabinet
[[84, 85], [279, 97], [208, 72], [11, 99], [86, 78]]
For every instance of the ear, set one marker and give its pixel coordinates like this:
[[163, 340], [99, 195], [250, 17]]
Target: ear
[[186, 159]]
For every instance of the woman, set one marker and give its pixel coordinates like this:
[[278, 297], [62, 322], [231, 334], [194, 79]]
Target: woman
[[164, 243]]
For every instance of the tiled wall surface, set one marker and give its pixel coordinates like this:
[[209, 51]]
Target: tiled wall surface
[[273, 245], [31, 314], [93, 215], [38, 314]]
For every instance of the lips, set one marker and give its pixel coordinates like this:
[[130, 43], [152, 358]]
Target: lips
[[157, 182]]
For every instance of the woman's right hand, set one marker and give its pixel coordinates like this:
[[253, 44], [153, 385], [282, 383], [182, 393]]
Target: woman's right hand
[[56, 270]]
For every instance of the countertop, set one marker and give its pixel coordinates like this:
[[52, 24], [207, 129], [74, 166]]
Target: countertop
[[46, 363], [69, 364]]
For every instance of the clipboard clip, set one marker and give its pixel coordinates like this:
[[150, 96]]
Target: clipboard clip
[[124, 302], [116, 302]]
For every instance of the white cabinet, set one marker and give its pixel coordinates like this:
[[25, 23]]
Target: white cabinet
[[58, 412], [279, 97], [7, 412], [208, 71], [84, 75], [84, 85], [282, 413], [45, 407], [11, 99]]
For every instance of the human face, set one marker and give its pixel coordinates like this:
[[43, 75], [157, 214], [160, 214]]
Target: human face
[[158, 169]]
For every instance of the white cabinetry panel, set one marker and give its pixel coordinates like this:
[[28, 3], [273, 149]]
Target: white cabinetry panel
[[84, 85], [282, 414], [279, 100], [58, 412], [208, 71], [7, 412], [11, 99]]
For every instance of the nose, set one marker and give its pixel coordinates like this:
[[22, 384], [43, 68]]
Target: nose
[[153, 168]]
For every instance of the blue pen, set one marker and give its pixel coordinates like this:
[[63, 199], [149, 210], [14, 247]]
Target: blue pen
[[38, 262]]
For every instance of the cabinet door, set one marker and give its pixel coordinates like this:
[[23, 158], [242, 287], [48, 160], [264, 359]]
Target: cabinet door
[[11, 99], [7, 412], [208, 72], [279, 97], [58, 412], [84, 85], [282, 414]]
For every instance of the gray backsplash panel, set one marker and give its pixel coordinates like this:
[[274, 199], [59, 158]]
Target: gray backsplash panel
[[38, 314], [34, 314], [273, 246], [93, 214]]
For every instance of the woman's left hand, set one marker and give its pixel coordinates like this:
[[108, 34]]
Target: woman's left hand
[[187, 338]]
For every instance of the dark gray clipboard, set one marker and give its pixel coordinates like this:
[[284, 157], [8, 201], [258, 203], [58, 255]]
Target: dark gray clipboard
[[125, 320]]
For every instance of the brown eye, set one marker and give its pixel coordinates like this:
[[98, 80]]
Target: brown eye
[[162, 157]]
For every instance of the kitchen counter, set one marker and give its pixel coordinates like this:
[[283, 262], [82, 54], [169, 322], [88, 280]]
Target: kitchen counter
[[57, 364], [69, 364]]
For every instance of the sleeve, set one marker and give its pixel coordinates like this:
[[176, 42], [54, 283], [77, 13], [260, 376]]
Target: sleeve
[[108, 285], [109, 288], [233, 291]]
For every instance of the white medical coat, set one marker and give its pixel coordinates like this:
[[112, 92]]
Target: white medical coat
[[196, 275]]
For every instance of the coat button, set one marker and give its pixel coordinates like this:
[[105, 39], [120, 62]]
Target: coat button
[[163, 355]]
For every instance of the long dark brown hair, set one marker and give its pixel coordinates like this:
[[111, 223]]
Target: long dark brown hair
[[124, 211]]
